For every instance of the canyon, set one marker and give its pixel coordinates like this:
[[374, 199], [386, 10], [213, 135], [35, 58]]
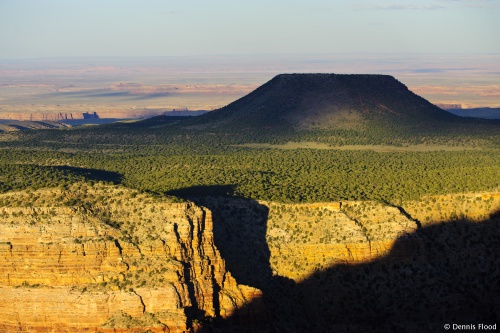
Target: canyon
[[105, 258]]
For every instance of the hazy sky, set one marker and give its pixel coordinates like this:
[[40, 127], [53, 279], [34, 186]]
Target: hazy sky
[[60, 28]]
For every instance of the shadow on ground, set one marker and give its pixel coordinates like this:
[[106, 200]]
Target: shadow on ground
[[33, 176], [92, 174], [446, 273]]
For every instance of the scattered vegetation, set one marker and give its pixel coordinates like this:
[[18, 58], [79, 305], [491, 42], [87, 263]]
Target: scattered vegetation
[[301, 175]]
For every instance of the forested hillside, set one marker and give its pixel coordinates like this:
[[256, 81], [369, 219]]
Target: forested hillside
[[302, 175]]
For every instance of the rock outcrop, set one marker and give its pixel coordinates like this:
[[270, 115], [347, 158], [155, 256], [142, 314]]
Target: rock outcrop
[[304, 239], [363, 266], [297, 240], [108, 259]]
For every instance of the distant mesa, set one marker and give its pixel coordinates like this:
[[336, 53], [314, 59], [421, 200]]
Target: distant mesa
[[325, 102], [49, 116], [449, 106], [87, 115], [485, 113], [60, 116], [183, 112], [471, 112]]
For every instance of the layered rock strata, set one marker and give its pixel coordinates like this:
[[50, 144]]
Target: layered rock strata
[[304, 239], [108, 259], [363, 266], [105, 258]]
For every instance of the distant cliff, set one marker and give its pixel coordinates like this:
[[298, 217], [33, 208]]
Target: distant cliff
[[88, 115]]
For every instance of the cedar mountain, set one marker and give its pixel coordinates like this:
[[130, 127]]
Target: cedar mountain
[[327, 101]]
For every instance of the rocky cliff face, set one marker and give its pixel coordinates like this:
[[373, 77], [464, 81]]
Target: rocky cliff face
[[297, 240], [105, 258], [306, 238], [363, 266]]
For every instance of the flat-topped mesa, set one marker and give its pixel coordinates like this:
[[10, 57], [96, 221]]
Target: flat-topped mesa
[[326, 101]]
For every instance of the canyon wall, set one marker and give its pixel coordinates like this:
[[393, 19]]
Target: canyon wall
[[105, 258], [297, 240], [363, 266]]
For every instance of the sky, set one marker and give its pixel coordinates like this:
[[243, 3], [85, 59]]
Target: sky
[[83, 28]]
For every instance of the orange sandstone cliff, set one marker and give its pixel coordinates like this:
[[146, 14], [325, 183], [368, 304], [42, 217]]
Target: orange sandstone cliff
[[103, 258]]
